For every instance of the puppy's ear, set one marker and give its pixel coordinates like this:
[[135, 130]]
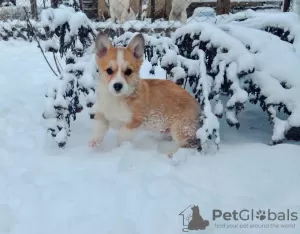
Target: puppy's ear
[[102, 44], [137, 45]]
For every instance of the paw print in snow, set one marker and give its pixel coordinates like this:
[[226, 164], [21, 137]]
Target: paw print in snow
[[261, 215]]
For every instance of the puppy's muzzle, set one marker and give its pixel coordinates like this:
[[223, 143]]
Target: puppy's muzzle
[[118, 87]]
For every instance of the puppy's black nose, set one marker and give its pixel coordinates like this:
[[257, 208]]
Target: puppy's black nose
[[118, 86]]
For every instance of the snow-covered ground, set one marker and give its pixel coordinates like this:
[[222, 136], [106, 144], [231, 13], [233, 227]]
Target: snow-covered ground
[[133, 189]]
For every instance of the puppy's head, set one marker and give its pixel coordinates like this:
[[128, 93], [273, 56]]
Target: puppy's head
[[119, 67]]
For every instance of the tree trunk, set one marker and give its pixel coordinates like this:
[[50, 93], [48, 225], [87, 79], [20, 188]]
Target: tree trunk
[[141, 9], [33, 9], [90, 8], [286, 5], [222, 7], [162, 9]]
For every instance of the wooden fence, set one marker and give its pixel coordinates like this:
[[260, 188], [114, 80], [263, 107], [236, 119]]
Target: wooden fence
[[98, 9]]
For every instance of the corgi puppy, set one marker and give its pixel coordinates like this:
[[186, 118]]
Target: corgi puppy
[[127, 103]]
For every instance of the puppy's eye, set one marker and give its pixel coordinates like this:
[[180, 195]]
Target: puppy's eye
[[109, 71], [128, 72]]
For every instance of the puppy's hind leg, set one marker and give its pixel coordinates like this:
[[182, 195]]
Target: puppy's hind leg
[[186, 141], [166, 135]]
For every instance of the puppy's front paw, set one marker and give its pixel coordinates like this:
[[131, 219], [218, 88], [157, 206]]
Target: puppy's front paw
[[93, 143]]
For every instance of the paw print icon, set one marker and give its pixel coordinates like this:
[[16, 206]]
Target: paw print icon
[[261, 215]]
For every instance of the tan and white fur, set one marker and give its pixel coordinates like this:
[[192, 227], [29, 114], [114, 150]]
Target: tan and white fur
[[178, 11], [127, 103], [121, 10]]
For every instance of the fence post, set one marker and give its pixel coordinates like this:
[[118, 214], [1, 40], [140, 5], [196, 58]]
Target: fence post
[[159, 9], [286, 5], [152, 10], [223, 7], [140, 9]]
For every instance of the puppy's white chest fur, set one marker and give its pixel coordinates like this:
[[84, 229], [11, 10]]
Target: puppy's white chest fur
[[114, 110]]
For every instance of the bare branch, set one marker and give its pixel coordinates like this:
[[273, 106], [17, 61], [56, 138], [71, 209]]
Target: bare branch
[[35, 38], [56, 63]]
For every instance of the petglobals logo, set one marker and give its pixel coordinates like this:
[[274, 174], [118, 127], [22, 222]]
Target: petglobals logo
[[193, 220], [251, 215]]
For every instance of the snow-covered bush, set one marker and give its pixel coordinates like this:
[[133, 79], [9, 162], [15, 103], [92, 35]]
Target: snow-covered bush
[[241, 62], [7, 31], [214, 62], [15, 29], [71, 35], [271, 85], [12, 12], [284, 25]]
